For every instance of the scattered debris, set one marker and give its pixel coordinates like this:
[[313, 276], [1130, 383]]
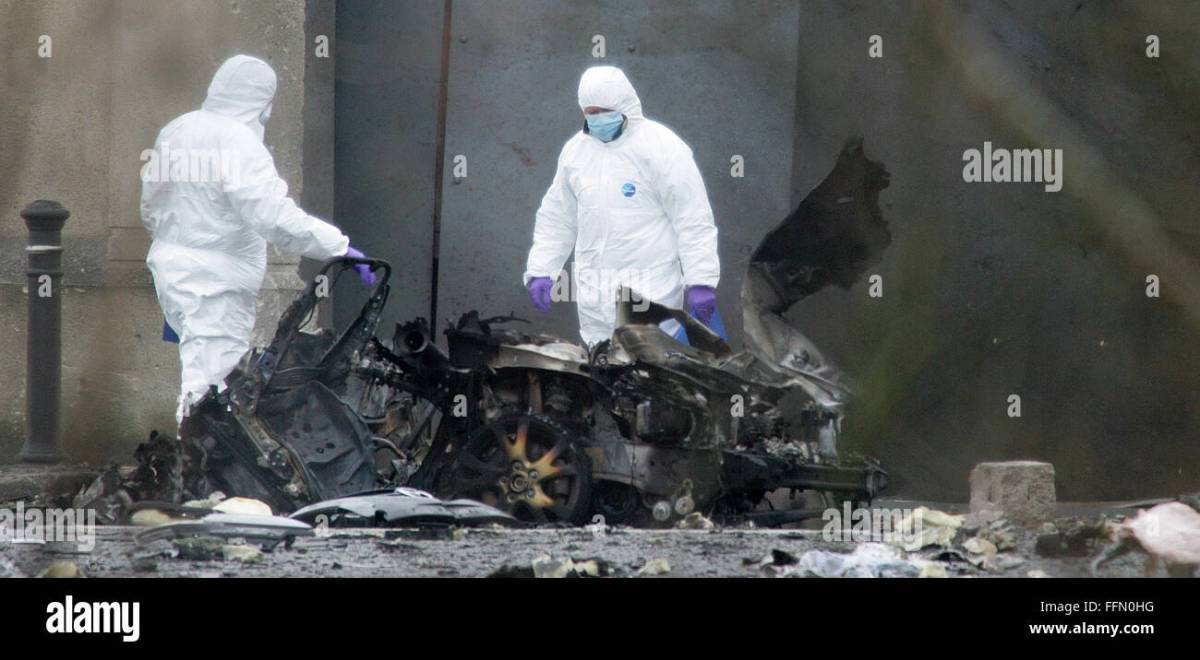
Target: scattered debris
[[166, 471], [247, 554], [1073, 538], [209, 548], [983, 555], [777, 557], [149, 518], [933, 570], [105, 496], [980, 552], [199, 548], [545, 566], [1168, 533], [695, 520], [62, 569], [1000, 534], [209, 502], [979, 546], [658, 566], [925, 527], [1006, 562], [868, 560]]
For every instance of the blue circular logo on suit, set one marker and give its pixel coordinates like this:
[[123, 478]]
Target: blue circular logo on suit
[[628, 189]]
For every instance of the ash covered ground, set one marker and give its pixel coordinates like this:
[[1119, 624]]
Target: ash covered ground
[[1064, 548]]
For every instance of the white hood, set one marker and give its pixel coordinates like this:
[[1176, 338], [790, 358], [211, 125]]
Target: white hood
[[242, 89], [607, 87], [210, 233]]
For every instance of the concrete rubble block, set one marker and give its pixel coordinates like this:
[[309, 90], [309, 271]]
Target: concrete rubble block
[[1021, 491]]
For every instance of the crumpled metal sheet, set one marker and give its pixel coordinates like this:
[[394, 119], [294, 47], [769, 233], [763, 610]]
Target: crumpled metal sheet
[[832, 238], [260, 529], [400, 507]]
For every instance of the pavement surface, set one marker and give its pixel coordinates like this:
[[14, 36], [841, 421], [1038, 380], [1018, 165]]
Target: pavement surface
[[495, 551], [621, 552]]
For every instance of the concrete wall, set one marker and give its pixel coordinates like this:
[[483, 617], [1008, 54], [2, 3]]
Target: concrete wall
[[73, 129], [387, 75], [1000, 289], [989, 290]]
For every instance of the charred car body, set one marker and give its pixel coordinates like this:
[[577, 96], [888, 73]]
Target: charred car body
[[642, 429]]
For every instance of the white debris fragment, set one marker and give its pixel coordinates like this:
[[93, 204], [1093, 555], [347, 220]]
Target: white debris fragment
[[546, 566], [209, 502], [932, 570], [868, 560], [979, 546], [62, 569], [150, 518], [695, 520], [924, 527], [981, 552], [1169, 532], [244, 553], [244, 506], [658, 566]]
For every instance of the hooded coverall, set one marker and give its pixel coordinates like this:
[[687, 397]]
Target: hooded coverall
[[633, 210], [212, 200]]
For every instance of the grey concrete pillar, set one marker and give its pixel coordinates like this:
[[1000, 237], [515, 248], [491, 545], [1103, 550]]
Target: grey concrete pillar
[[43, 358]]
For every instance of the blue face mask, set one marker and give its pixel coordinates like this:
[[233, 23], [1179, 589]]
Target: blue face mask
[[605, 125]]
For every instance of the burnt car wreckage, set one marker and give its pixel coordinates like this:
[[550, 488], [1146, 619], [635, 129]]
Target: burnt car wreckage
[[642, 429]]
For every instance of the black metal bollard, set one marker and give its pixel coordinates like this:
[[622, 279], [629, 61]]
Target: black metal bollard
[[43, 347]]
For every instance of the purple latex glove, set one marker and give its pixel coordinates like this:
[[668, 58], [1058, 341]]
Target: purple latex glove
[[702, 300], [364, 271], [539, 292]]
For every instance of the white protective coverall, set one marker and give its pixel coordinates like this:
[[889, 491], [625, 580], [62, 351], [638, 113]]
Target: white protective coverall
[[634, 210], [211, 224]]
